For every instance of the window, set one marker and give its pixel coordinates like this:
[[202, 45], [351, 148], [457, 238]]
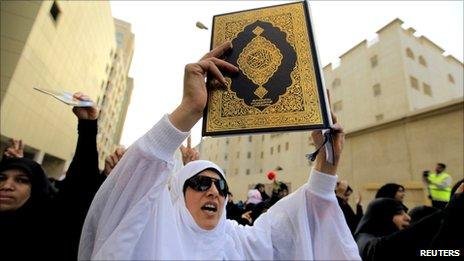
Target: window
[[427, 89], [336, 82], [238, 155], [422, 61], [239, 138], [414, 82], [103, 102], [262, 154], [272, 150], [262, 138], [409, 53], [225, 157], [337, 106], [227, 141], [119, 39], [377, 90], [374, 61], [286, 146], [55, 11], [248, 171], [450, 78], [249, 155], [278, 149], [260, 170], [250, 138], [379, 117]]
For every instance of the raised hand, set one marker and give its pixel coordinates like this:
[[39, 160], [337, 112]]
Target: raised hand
[[188, 153], [247, 216], [16, 149], [358, 198], [85, 113], [112, 160], [341, 188], [195, 93], [338, 138]]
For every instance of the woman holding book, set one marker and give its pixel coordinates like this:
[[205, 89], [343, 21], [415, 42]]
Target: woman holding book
[[135, 216]]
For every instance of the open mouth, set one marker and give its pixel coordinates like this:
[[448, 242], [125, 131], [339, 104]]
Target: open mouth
[[210, 207]]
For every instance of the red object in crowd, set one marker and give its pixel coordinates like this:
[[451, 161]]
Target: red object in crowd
[[271, 175]]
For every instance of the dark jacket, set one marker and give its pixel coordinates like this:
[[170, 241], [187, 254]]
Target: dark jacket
[[352, 219], [379, 239], [83, 179], [450, 235], [48, 226]]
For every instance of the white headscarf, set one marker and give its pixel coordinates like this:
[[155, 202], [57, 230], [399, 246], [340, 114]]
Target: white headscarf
[[214, 242], [254, 196]]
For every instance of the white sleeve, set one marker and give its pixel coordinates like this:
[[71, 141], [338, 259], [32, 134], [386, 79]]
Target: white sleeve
[[142, 172], [308, 224], [332, 238]]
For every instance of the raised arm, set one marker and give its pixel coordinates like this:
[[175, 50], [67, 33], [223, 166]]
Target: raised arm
[[136, 191], [307, 224], [83, 175]]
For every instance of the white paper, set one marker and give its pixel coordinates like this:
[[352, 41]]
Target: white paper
[[66, 97]]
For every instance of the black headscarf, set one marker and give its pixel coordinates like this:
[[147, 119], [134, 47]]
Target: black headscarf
[[26, 231], [421, 212], [378, 219], [41, 188], [388, 190]]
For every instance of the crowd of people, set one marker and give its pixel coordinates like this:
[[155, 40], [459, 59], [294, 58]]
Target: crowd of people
[[137, 209], [388, 229]]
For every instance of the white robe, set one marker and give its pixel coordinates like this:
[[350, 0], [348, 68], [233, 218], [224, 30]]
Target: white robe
[[134, 216]]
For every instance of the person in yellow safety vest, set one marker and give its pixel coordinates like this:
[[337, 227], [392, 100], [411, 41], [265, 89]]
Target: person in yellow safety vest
[[439, 186]]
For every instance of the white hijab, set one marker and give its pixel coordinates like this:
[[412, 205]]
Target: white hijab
[[214, 242]]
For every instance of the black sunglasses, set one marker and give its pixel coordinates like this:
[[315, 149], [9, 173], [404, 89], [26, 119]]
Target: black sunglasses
[[203, 183]]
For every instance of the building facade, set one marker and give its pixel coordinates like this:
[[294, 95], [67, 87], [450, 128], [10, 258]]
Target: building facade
[[398, 150], [391, 75], [117, 91], [376, 83], [56, 45]]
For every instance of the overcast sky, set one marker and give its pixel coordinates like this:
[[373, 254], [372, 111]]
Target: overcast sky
[[166, 39]]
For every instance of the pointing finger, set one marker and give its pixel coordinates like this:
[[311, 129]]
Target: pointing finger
[[218, 51]]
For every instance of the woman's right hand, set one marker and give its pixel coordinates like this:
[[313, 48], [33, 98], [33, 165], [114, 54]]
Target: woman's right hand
[[195, 95]]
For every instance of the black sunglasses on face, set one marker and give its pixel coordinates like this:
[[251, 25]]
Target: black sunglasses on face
[[203, 183]]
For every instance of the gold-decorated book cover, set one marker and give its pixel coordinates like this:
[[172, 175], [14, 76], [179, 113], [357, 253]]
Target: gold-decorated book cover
[[278, 86]]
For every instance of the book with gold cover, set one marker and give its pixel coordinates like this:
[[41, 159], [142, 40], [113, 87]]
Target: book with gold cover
[[279, 84]]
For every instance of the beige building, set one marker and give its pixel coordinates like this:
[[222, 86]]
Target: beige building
[[57, 45], [388, 93], [117, 91], [391, 75]]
